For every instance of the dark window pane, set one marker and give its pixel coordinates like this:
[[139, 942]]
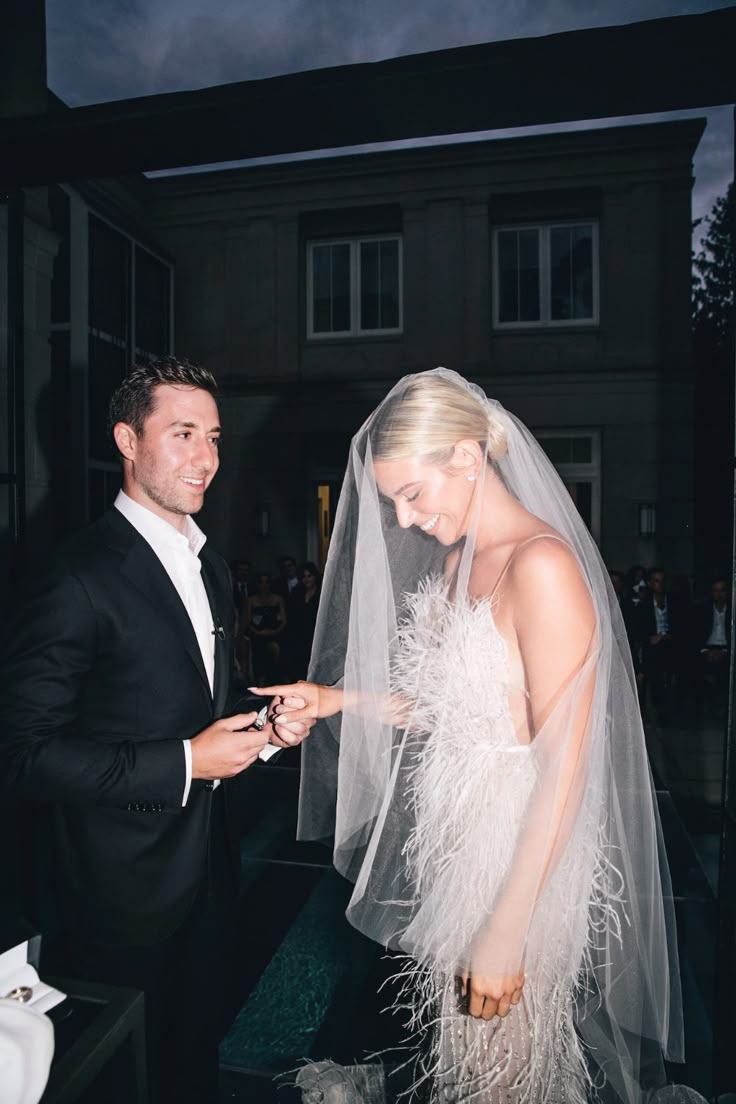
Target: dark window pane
[[558, 449], [59, 208], [330, 288], [370, 286], [107, 365], [508, 277], [581, 492], [390, 285], [6, 543], [529, 276], [379, 285], [582, 450], [340, 288], [152, 299], [582, 271], [109, 279], [571, 272], [321, 299]]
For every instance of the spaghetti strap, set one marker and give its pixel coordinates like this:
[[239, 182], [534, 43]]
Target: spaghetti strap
[[512, 557]]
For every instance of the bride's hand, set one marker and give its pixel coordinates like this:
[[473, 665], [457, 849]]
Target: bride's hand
[[301, 701], [490, 996]]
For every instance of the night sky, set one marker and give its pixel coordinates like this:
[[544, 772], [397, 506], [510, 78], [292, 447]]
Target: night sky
[[111, 49]]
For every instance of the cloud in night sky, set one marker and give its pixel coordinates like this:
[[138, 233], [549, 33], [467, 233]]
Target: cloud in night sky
[[102, 50]]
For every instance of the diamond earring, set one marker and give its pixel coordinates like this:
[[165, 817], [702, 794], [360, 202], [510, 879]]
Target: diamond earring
[[470, 478]]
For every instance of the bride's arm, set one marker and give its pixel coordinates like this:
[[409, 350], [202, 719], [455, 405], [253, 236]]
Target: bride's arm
[[555, 627], [319, 701]]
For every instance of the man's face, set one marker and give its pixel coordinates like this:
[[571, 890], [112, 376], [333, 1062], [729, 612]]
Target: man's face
[[719, 593], [656, 582], [175, 459], [289, 569]]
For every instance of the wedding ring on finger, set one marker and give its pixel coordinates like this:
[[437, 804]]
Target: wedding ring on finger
[[22, 994]]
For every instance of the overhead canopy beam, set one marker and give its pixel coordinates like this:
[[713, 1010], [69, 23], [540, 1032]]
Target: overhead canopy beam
[[657, 65]]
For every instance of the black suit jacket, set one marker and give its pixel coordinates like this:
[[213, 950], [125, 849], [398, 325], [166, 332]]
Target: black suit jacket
[[702, 624], [102, 680]]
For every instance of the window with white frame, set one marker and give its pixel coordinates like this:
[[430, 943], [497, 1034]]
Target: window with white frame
[[576, 454], [545, 275], [354, 286]]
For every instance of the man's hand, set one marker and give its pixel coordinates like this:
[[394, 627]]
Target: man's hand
[[224, 750]]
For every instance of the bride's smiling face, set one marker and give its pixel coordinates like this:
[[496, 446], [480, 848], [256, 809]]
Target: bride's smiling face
[[435, 498]]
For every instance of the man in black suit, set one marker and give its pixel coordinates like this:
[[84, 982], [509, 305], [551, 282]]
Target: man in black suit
[[114, 709], [711, 636], [659, 628]]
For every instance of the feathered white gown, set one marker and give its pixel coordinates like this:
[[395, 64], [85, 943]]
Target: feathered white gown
[[470, 787]]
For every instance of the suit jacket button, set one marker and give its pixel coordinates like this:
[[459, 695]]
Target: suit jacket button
[[209, 785]]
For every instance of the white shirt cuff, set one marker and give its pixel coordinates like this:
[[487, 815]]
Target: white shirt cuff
[[188, 771]]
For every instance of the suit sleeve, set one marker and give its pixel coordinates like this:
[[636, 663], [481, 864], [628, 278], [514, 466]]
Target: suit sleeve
[[50, 659]]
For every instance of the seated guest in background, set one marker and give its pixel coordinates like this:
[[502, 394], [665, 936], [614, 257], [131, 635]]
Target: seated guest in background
[[287, 579], [240, 574], [618, 582], [712, 639], [636, 583], [659, 628], [303, 607], [265, 621]]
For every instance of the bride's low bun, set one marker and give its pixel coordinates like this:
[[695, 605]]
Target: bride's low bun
[[430, 416]]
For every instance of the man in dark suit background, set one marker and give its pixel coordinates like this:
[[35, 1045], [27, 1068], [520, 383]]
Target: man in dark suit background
[[711, 636], [659, 630], [116, 686]]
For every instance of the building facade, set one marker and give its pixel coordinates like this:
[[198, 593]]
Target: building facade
[[553, 270]]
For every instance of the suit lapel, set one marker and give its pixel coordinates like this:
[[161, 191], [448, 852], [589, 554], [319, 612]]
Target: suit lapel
[[222, 620], [142, 567]]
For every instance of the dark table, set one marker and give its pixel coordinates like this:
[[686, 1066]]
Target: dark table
[[100, 1052]]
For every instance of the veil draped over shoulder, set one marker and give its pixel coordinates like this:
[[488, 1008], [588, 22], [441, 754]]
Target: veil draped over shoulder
[[581, 877]]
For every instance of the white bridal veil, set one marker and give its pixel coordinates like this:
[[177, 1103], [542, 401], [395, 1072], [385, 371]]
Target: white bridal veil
[[586, 874]]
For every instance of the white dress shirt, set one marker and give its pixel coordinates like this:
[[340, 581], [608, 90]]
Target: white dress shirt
[[179, 555], [662, 618], [717, 638]]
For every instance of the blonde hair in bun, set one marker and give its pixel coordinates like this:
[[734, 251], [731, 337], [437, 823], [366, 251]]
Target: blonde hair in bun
[[431, 416]]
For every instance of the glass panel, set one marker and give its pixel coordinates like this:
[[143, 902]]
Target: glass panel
[[582, 450], [152, 290], [370, 286], [529, 276], [109, 280], [390, 285], [582, 271], [581, 492], [340, 288], [59, 208], [4, 428], [321, 289], [6, 544], [571, 272], [107, 365], [379, 285], [559, 449], [508, 277], [331, 288]]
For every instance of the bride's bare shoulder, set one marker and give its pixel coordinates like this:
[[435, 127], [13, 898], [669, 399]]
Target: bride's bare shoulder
[[539, 559]]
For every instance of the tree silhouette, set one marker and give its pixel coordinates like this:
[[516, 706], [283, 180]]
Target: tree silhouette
[[714, 353], [714, 275]]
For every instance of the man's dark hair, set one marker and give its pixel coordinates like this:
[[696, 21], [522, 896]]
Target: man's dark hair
[[134, 399]]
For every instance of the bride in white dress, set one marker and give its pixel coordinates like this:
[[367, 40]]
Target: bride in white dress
[[482, 768]]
